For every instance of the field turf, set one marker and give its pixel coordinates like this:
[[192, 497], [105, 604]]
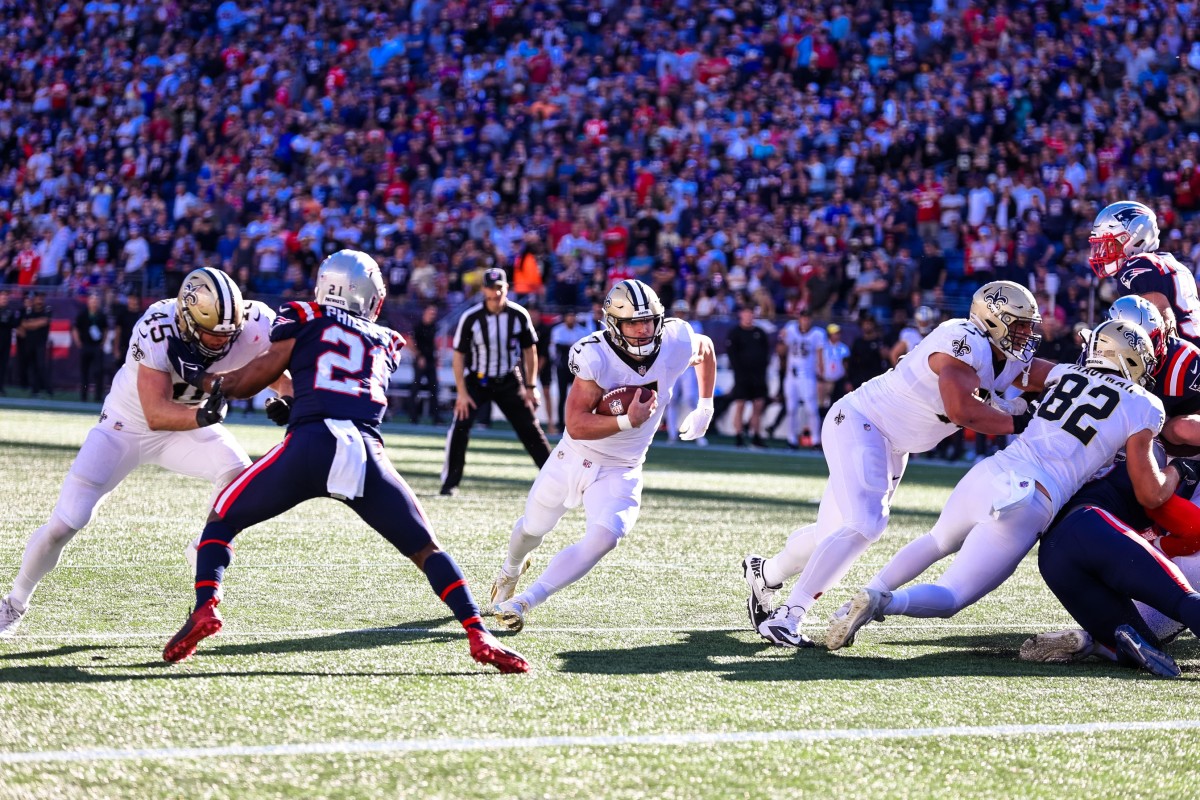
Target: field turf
[[339, 674]]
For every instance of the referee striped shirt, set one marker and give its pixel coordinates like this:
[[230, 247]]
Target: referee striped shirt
[[491, 344]]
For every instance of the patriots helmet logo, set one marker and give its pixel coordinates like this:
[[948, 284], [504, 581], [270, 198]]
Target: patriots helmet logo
[[1128, 214]]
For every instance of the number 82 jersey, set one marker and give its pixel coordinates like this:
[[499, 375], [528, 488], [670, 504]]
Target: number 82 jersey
[[1082, 423]]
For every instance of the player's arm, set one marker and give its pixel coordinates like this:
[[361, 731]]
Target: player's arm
[[705, 364], [283, 386], [1034, 379], [1151, 485], [156, 394], [463, 404], [582, 424], [957, 383], [898, 349], [529, 373], [260, 373]]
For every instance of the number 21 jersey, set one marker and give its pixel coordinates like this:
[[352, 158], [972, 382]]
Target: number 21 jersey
[[1082, 423]]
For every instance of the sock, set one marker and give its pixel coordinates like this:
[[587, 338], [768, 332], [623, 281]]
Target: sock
[[791, 561], [912, 559], [571, 564], [213, 554], [923, 600], [830, 562], [448, 583], [520, 544], [42, 552]]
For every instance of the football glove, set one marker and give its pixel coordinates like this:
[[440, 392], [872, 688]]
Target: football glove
[[695, 425], [214, 408], [279, 409], [1021, 421], [1188, 469], [186, 362], [1014, 407]]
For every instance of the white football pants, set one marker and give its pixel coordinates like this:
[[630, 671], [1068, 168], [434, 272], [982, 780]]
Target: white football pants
[[803, 409]]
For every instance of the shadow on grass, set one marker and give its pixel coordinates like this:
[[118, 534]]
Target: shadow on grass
[[736, 659]]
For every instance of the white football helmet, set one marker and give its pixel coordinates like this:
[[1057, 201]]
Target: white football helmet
[[351, 280], [1007, 314], [633, 300], [925, 319], [1121, 230], [1141, 312], [1122, 347], [209, 302]]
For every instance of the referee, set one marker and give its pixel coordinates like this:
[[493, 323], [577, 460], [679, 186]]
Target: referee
[[495, 357]]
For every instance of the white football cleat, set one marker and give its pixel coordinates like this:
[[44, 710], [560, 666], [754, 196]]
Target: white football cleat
[[511, 614], [505, 585], [866, 606], [762, 595], [781, 628], [1057, 647], [10, 618]]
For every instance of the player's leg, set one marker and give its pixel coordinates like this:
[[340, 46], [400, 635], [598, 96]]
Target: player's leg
[[103, 461], [791, 408], [812, 411], [612, 503], [458, 436], [554, 488], [525, 424]]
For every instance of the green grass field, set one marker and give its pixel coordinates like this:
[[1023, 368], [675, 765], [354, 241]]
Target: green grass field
[[339, 674]]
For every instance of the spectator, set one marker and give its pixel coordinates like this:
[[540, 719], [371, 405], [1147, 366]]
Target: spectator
[[33, 337], [425, 367], [749, 349], [124, 319], [10, 319], [866, 354], [88, 334]]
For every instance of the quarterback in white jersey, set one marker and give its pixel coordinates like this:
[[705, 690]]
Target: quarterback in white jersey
[[598, 462], [151, 416], [954, 378], [801, 363], [999, 508]]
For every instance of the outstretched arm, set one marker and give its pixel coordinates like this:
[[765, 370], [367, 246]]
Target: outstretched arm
[[260, 373]]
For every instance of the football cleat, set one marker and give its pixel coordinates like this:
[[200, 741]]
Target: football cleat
[[10, 618], [201, 623], [762, 595], [486, 649], [866, 606], [505, 585], [1057, 647], [511, 614], [780, 628], [1131, 644]]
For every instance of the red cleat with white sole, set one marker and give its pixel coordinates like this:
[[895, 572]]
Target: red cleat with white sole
[[203, 622], [486, 649]]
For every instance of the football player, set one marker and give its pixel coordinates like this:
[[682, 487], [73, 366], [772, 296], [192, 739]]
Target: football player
[[1124, 245], [954, 377], [598, 462], [924, 319], [1108, 572], [801, 351], [342, 361], [152, 416], [999, 508]]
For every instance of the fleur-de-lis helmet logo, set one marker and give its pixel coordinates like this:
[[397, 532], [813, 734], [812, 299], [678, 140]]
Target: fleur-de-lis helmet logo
[[996, 300]]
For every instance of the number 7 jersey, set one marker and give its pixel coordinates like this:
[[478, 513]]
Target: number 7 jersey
[[341, 365], [1082, 423]]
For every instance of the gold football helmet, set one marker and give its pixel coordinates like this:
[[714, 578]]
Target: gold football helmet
[[633, 300], [210, 302], [1122, 347], [1007, 314]]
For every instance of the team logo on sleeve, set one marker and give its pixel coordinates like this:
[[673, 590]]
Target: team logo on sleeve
[[138, 353], [1129, 275], [279, 320], [959, 347]]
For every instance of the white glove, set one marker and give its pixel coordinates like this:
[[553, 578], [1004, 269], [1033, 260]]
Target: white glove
[[696, 423], [1014, 407]]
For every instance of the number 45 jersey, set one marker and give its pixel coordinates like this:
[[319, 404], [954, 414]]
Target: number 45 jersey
[[1082, 423], [148, 345], [341, 364]]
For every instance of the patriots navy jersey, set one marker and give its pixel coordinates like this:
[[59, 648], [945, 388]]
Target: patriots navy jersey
[[1160, 272], [1114, 493], [341, 365], [1177, 381]]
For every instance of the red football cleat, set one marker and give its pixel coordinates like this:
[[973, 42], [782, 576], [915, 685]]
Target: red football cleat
[[486, 649], [202, 623]]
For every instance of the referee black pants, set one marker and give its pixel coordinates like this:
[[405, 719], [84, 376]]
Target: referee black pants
[[506, 394]]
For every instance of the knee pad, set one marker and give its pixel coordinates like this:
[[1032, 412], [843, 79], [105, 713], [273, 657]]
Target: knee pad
[[77, 503], [59, 530]]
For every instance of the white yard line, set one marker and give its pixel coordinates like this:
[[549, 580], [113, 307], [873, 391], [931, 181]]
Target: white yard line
[[534, 742]]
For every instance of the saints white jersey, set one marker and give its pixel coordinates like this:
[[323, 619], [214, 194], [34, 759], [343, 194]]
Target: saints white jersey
[[802, 348], [911, 338], [594, 359], [148, 346], [1081, 424], [905, 403]]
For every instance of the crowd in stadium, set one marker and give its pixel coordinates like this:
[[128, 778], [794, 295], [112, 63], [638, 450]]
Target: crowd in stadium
[[848, 158]]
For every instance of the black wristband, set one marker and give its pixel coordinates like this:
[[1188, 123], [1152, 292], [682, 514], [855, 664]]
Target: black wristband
[[531, 386]]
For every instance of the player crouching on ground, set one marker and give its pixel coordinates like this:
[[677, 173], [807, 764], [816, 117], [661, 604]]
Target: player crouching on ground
[[598, 462], [341, 361]]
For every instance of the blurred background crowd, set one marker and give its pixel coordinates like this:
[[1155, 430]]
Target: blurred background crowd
[[855, 160]]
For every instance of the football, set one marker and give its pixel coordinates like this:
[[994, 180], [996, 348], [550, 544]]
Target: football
[[616, 402]]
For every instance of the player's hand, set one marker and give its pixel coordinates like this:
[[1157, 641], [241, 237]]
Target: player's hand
[[186, 362], [464, 406], [696, 423], [214, 408], [533, 397], [640, 411], [279, 409], [1014, 407]]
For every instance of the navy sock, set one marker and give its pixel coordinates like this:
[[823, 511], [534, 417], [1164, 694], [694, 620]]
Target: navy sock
[[449, 584], [212, 557]]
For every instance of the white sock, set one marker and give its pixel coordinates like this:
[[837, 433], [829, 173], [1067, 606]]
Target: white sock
[[42, 552], [913, 559], [520, 545], [571, 563], [830, 562], [923, 600], [791, 560]]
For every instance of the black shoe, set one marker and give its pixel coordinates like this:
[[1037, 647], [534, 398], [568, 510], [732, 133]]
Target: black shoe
[[758, 442], [817, 448], [739, 441], [794, 447], [448, 491]]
